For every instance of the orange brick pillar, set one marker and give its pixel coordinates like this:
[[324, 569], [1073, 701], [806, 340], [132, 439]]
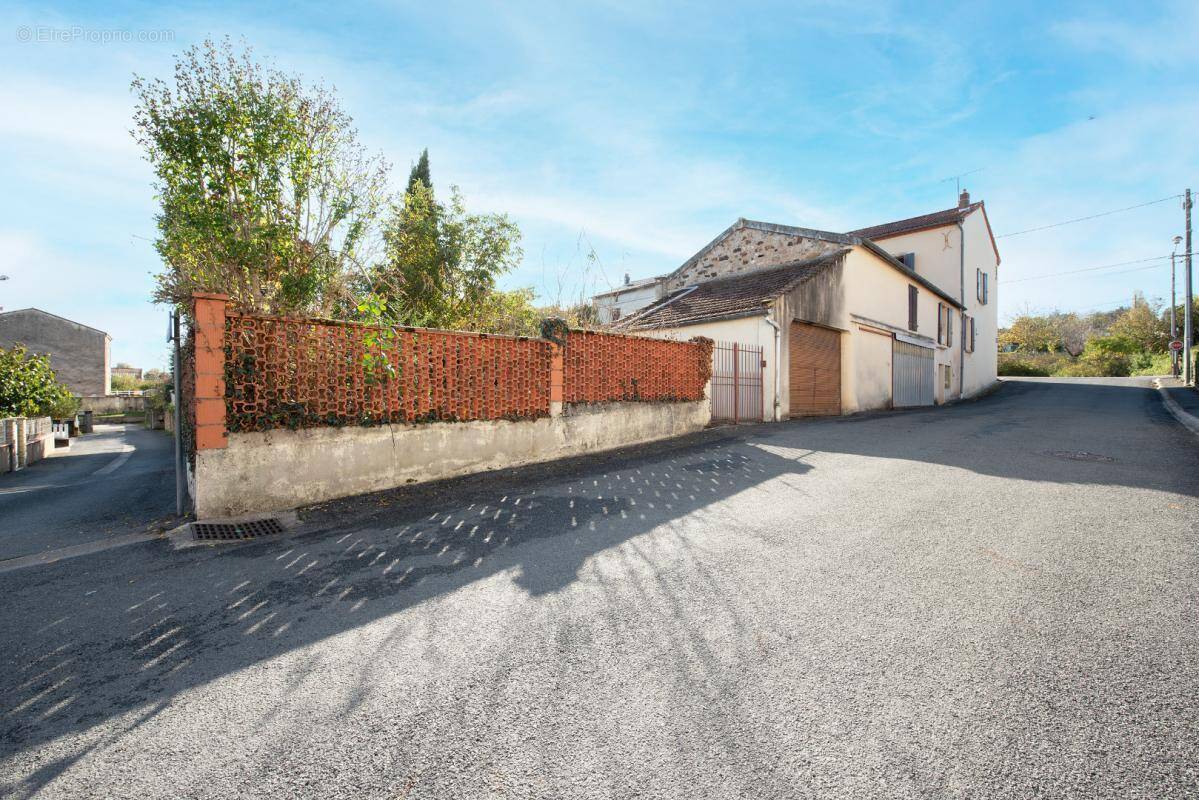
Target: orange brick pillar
[[557, 381], [208, 314]]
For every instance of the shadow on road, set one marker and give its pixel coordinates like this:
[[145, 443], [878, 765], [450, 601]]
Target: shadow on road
[[117, 480], [92, 641], [127, 645]]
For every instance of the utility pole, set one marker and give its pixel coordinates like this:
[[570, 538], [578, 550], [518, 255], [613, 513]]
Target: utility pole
[[1188, 330], [177, 399], [1173, 306]]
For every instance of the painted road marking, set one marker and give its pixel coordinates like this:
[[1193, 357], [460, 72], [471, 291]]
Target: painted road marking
[[116, 463]]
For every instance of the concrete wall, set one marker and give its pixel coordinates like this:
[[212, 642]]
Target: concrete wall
[[78, 354], [282, 469], [113, 404]]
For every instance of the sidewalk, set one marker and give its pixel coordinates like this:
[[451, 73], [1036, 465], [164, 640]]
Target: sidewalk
[[1181, 400]]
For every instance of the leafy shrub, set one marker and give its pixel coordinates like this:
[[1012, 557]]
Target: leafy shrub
[[1021, 368], [28, 387], [65, 407], [1099, 363]]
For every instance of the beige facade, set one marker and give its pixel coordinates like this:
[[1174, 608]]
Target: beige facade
[[937, 263], [865, 298], [944, 255]]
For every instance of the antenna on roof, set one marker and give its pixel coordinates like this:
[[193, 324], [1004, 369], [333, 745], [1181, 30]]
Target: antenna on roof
[[957, 180]]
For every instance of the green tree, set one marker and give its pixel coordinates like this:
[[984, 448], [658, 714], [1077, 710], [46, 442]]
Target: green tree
[[420, 172], [441, 263], [1035, 334], [264, 192], [28, 386], [1142, 326]]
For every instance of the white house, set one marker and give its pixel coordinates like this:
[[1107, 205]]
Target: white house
[[615, 304], [844, 322]]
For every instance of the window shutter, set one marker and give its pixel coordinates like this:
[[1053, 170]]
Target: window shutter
[[986, 288], [912, 308], [949, 326], [972, 334], [978, 285], [940, 323]]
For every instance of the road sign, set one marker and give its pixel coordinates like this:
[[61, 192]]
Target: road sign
[[1175, 345]]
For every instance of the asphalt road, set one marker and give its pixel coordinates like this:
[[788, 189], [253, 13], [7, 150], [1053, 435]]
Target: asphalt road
[[115, 481], [992, 600]]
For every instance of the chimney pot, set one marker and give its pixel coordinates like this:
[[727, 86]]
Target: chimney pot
[[964, 199], [626, 279]]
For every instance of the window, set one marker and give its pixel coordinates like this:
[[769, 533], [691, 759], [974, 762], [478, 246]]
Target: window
[[940, 323], [615, 314], [982, 286], [948, 370], [968, 333], [908, 260], [912, 295]]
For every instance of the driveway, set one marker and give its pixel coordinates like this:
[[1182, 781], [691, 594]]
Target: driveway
[[990, 600], [118, 480]]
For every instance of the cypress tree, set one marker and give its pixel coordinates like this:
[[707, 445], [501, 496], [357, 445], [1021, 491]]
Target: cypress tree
[[420, 172]]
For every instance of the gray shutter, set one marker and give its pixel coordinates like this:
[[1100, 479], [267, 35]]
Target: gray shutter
[[912, 321]]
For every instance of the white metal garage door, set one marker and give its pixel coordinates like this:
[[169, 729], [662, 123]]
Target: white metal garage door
[[914, 375]]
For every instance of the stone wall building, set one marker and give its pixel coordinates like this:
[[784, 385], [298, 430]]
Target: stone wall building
[[79, 354]]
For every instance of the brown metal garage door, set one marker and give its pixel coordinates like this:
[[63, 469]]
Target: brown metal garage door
[[815, 370]]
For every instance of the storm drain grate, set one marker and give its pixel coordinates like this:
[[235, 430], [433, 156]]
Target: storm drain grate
[[1079, 455], [231, 531]]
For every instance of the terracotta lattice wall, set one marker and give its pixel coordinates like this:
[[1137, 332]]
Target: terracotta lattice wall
[[282, 372], [246, 372], [603, 367]]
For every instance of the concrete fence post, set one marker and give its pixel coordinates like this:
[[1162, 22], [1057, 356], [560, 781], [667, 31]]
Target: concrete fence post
[[208, 315], [557, 381], [22, 442]]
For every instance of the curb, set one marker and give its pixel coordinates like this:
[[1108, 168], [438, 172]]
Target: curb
[[1188, 420]]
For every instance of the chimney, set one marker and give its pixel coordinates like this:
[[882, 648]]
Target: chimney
[[626, 279], [964, 199]]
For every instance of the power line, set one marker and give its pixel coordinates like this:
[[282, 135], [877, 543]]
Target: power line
[[1093, 269], [1092, 216]]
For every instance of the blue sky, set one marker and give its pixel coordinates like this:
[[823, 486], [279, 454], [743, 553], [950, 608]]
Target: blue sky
[[639, 129]]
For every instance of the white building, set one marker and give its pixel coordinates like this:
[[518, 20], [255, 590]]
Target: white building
[[877, 318], [618, 303]]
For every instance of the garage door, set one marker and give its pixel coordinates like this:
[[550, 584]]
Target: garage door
[[914, 375], [815, 380]]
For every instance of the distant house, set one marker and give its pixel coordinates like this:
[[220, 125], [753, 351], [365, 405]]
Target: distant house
[[126, 372], [844, 322], [79, 354], [618, 303]]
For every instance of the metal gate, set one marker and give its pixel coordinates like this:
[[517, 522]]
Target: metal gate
[[737, 382], [913, 374]]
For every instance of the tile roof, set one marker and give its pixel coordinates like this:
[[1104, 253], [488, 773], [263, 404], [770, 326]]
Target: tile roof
[[950, 216], [728, 298]]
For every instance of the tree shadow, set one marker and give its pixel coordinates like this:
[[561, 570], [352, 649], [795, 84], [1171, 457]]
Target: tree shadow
[[92, 640], [99, 637]]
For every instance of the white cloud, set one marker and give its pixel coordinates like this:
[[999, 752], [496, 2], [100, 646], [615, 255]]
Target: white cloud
[[1166, 40]]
